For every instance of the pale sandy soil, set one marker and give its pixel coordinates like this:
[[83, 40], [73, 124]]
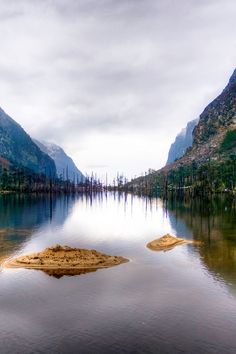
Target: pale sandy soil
[[64, 260], [166, 243]]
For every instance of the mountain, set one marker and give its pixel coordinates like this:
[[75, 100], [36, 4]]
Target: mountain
[[182, 142], [219, 116], [17, 148], [65, 166], [209, 165], [214, 137]]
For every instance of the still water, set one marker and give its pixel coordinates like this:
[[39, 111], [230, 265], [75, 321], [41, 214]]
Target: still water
[[180, 301]]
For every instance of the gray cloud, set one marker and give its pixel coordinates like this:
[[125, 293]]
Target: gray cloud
[[86, 74]]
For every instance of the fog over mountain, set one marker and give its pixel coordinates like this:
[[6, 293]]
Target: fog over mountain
[[113, 81], [182, 141], [66, 168]]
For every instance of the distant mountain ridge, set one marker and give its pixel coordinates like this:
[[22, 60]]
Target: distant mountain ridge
[[182, 142], [18, 148], [65, 166]]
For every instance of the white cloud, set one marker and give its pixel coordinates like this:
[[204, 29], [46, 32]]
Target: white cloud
[[113, 81]]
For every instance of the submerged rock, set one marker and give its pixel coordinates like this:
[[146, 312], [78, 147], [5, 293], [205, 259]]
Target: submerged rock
[[65, 260], [166, 243]]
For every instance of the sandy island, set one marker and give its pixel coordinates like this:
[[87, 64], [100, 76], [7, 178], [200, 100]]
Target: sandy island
[[166, 243], [64, 260]]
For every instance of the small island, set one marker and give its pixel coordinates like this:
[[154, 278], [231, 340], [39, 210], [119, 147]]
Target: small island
[[65, 260], [166, 243]]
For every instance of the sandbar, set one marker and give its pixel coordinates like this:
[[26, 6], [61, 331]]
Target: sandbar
[[166, 243], [65, 260]]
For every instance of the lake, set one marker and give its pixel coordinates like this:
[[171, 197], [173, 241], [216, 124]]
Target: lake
[[180, 301]]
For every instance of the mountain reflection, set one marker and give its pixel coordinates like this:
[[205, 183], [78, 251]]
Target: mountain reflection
[[22, 215], [213, 223]]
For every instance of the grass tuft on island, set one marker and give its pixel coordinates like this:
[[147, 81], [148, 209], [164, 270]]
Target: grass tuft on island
[[64, 260], [166, 243]]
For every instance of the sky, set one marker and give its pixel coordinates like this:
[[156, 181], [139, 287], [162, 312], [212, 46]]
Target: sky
[[113, 82]]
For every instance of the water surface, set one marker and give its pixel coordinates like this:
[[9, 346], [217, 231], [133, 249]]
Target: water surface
[[181, 301]]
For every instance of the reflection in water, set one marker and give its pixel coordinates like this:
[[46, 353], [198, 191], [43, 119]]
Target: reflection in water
[[214, 224], [23, 215], [157, 303], [59, 273]]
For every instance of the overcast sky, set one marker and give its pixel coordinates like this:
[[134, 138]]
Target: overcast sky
[[113, 81]]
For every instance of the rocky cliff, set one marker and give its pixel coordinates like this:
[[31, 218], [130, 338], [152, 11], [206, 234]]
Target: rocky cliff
[[218, 116], [214, 137]]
